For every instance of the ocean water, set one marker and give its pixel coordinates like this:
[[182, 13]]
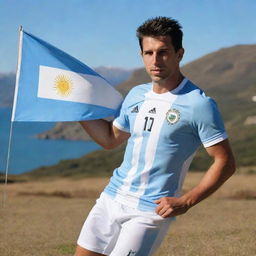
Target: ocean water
[[28, 153]]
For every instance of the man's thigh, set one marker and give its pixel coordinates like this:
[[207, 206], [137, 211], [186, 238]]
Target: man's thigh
[[84, 252], [141, 236], [117, 230], [100, 230]]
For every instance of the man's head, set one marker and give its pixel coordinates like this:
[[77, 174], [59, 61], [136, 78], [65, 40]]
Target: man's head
[[161, 26], [161, 49]]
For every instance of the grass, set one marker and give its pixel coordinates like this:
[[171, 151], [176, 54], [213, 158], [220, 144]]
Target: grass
[[66, 249], [44, 218]]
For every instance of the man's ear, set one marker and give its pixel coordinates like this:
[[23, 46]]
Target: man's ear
[[180, 54]]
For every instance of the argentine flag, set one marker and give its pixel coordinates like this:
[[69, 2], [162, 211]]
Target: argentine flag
[[52, 86]]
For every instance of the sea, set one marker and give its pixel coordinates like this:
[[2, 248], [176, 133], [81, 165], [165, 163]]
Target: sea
[[28, 153]]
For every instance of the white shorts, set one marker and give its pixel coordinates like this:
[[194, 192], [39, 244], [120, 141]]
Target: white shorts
[[114, 229]]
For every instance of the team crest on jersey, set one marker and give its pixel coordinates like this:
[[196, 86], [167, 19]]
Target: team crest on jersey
[[172, 116]]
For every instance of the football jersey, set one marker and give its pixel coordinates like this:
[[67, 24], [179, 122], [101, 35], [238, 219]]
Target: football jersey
[[166, 130]]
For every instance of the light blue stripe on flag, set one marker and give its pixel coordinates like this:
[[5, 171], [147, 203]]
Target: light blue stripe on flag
[[52, 86]]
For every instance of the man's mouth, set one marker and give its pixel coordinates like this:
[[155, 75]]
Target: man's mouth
[[156, 70]]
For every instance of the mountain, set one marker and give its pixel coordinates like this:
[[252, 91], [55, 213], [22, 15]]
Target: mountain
[[7, 84], [114, 75], [65, 131], [139, 76], [227, 75]]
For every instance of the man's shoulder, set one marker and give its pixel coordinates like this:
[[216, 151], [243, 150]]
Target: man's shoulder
[[136, 95], [197, 102], [196, 96], [138, 92], [141, 88]]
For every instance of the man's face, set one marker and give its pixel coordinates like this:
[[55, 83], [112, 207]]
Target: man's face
[[160, 59]]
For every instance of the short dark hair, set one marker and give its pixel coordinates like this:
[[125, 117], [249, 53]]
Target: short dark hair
[[161, 26]]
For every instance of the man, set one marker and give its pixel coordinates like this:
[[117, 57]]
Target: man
[[164, 122]]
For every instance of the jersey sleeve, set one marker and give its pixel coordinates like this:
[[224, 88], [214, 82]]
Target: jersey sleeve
[[208, 123], [122, 121]]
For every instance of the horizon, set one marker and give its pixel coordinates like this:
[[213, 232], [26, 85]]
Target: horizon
[[104, 33]]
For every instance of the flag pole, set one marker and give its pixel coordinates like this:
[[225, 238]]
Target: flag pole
[[13, 114], [7, 166]]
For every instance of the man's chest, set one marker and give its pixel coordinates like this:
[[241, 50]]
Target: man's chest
[[153, 117]]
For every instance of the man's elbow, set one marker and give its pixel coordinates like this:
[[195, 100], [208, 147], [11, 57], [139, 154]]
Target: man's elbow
[[109, 145], [230, 166], [231, 170]]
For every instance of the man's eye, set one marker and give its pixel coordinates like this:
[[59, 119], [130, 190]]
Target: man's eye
[[162, 52], [148, 53]]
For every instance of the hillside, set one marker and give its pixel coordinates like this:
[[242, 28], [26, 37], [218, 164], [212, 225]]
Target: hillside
[[7, 83], [65, 131], [229, 76], [114, 75], [99, 163]]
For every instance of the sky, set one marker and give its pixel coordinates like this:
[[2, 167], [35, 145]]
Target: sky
[[103, 32]]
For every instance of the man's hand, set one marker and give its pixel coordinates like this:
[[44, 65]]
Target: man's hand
[[171, 206]]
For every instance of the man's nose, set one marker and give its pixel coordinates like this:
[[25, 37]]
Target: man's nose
[[156, 58]]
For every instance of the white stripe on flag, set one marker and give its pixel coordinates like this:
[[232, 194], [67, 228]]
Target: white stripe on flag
[[60, 84]]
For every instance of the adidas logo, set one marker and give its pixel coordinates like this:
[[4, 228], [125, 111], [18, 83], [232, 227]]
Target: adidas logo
[[152, 111], [131, 253], [135, 110]]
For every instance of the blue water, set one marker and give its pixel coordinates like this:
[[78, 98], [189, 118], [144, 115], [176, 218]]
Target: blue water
[[28, 153]]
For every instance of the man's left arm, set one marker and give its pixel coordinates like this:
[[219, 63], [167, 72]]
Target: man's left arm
[[222, 168]]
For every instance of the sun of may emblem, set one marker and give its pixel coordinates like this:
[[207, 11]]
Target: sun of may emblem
[[172, 116], [63, 85]]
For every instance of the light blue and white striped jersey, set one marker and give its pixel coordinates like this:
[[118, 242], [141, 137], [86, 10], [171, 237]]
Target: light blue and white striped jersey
[[166, 130]]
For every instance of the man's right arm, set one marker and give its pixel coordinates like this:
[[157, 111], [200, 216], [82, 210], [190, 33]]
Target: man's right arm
[[105, 133]]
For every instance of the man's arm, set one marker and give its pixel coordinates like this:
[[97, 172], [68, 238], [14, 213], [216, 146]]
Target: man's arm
[[221, 169], [105, 133]]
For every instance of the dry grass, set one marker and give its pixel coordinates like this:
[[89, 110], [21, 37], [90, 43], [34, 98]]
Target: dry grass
[[44, 219], [66, 188]]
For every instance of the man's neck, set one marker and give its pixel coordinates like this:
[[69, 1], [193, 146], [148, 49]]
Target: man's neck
[[168, 85]]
